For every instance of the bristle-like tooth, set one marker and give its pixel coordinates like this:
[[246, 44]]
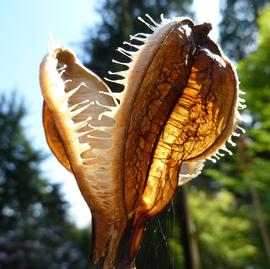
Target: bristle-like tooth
[[117, 81], [61, 72], [75, 106], [162, 18], [105, 106], [241, 92], [224, 148], [79, 110], [220, 154], [80, 125], [211, 159], [241, 129], [151, 19], [235, 134], [67, 81], [132, 45], [108, 113], [138, 38], [144, 35], [241, 103], [125, 52], [62, 68], [151, 27], [121, 63], [189, 171], [101, 138], [93, 167], [78, 135], [122, 74], [73, 91], [102, 114], [83, 147], [89, 159], [241, 106], [231, 142], [241, 100]]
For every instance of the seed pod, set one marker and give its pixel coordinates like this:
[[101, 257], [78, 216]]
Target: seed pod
[[178, 108]]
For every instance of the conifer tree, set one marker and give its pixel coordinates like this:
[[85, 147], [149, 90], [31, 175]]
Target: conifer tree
[[34, 231], [238, 26]]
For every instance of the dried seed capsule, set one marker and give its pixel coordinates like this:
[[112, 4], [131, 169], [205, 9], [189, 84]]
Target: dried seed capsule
[[79, 107], [178, 108]]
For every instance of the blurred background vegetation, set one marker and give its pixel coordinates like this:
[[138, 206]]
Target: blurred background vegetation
[[220, 220]]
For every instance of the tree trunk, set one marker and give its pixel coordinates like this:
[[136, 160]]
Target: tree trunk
[[189, 234], [247, 161]]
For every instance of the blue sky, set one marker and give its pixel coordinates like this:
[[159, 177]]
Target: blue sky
[[24, 28], [24, 33]]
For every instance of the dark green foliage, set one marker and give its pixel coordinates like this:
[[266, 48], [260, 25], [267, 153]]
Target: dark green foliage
[[34, 232], [238, 26], [254, 74], [225, 199]]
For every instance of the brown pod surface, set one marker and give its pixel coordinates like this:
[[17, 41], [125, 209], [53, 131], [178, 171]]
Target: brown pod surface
[[178, 108]]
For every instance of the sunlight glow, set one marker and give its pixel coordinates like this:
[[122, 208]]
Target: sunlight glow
[[32, 47], [208, 11]]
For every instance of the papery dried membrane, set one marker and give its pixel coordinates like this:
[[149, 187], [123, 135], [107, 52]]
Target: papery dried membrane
[[178, 107]]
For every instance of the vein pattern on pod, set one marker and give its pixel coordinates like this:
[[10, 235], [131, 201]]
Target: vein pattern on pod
[[178, 108]]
